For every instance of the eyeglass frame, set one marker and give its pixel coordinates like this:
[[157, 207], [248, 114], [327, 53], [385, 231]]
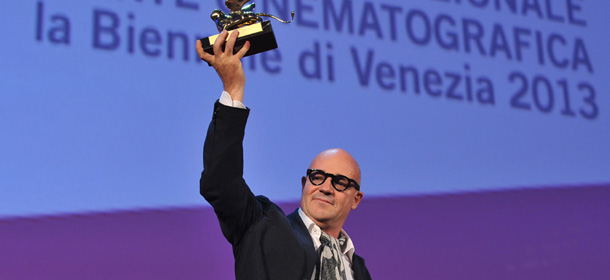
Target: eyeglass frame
[[332, 178]]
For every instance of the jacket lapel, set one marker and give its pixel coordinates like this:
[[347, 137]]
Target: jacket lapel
[[360, 271], [305, 239]]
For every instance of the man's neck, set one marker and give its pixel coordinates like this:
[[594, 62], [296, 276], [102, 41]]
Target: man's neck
[[332, 232]]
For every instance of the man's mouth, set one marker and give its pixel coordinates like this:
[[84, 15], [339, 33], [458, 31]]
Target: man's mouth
[[323, 200]]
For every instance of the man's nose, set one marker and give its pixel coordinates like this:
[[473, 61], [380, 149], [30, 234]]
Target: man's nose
[[327, 187]]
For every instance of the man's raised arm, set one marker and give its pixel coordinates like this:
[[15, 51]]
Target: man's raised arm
[[222, 183]]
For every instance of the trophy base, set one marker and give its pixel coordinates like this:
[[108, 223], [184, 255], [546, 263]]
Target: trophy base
[[260, 35]]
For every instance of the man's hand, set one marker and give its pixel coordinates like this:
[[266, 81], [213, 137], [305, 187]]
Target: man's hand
[[227, 65]]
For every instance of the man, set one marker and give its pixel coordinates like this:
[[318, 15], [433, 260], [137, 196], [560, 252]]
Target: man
[[307, 244]]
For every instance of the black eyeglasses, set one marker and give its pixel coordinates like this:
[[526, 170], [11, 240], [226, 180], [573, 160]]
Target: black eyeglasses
[[339, 182]]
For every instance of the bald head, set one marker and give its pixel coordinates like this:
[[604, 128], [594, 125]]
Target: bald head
[[339, 160]]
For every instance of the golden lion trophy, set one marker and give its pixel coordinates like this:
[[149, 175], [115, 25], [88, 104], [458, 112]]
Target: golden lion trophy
[[250, 25]]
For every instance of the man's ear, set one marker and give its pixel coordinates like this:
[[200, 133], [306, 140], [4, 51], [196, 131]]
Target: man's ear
[[357, 199], [303, 181]]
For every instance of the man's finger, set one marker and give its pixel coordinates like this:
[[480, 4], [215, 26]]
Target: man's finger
[[231, 42], [219, 41], [202, 54], [243, 50]]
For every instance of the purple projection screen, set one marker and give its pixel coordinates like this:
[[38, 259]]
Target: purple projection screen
[[481, 127]]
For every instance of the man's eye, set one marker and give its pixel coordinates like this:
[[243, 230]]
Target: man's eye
[[342, 183]]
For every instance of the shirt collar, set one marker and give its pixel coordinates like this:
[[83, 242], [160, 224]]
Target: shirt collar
[[314, 231]]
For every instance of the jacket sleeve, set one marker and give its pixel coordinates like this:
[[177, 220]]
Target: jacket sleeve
[[222, 183]]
